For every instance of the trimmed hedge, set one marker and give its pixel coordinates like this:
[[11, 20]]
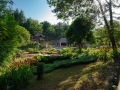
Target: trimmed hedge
[[40, 70], [68, 63], [51, 59]]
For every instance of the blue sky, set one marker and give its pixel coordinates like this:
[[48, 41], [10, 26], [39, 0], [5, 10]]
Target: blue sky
[[36, 9]]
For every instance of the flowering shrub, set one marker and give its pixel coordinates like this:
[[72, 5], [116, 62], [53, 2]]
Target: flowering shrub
[[16, 78], [105, 48], [27, 61]]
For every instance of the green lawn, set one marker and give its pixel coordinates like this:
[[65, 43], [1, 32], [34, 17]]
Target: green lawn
[[73, 78]]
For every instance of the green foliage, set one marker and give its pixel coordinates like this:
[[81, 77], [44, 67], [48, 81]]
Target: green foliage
[[103, 56], [90, 9], [32, 47], [32, 50], [50, 48], [103, 36], [60, 29], [33, 26], [23, 36], [66, 51], [40, 70], [48, 30], [19, 17], [8, 40], [51, 59], [71, 8], [68, 63], [15, 78], [79, 31], [12, 36], [3, 6]]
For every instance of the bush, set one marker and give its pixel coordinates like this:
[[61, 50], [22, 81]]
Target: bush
[[50, 48], [51, 59], [15, 78], [68, 63], [30, 50], [66, 51], [40, 70]]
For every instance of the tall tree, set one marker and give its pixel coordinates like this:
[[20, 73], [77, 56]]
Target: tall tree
[[3, 6], [60, 28], [33, 26], [102, 34], [11, 34], [19, 17], [48, 30], [91, 8], [78, 32]]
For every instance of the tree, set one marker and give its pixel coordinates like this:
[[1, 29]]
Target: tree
[[79, 31], [3, 8], [33, 26], [19, 17], [48, 30], [91, 8], [23, 35], [60, 29], [102, 34], [11, 34]]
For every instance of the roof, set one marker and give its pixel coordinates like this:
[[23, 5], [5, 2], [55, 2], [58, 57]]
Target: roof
[[38, 34], [62, 40]]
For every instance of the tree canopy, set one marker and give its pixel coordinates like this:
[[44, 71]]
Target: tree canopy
[[79, 31], [60, 29], [48, 30], [90, 8], [33, 26], [19, 17], [102, 34], [11, 34]]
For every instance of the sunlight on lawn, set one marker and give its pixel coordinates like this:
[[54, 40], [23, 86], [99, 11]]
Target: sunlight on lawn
[[67, 78]]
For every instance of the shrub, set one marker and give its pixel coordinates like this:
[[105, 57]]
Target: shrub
[[51, 59], [40, 70], [50, 48], [66, 50], [104, 56], [29, 61], [68, 63], [30, 50], [16, 78]]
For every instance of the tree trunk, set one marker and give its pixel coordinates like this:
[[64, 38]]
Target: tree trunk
[[80, 47], [110, 27]]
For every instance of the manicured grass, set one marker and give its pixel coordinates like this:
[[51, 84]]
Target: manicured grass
[[71, 78]]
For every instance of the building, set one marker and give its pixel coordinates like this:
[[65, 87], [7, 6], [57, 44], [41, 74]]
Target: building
[[61, 42], [38, 37]]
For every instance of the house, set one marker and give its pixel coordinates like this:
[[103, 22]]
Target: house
[[61, 42], [38, 37]]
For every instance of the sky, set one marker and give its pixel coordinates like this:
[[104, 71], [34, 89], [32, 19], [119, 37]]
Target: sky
[[36, 9]]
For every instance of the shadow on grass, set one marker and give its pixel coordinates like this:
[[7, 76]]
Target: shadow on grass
[[70, 78]]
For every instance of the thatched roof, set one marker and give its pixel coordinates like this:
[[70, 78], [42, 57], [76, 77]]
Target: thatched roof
[[62, 40], [39, 35]]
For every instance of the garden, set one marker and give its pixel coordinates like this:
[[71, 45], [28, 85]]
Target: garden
[[80, 55], [87, 64]]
